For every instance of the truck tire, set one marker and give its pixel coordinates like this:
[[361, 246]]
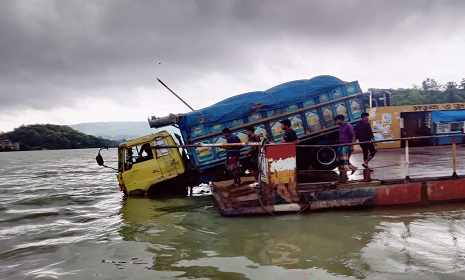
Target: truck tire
[[324, 158]]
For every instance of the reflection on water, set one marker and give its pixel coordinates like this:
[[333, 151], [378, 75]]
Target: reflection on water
[[186, 236], [62, 217], [424, 242], [356, 244]]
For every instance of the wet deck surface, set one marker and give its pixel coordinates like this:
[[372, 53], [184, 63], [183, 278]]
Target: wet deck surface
[[389, 164]]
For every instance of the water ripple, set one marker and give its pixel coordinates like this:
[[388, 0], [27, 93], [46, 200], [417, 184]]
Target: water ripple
[[63, 217]]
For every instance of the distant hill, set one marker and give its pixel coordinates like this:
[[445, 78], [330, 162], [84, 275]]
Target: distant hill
[[119, 130], [53, 137]]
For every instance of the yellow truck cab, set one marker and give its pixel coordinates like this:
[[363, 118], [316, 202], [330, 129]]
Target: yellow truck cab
[[144, 169]]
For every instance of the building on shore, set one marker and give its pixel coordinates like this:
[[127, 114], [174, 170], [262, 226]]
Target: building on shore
[[7, 145], [391, 122]]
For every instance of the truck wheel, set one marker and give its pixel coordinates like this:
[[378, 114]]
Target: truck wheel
[[324, 158]]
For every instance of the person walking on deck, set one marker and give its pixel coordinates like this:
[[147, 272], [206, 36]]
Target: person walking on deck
[[232, 156], [346, 136], [364, 133], [253, 152]]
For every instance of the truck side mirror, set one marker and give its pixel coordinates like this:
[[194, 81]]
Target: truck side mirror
[[99, 159]]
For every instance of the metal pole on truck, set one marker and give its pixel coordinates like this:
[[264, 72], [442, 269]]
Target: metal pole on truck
[[175, 94], [218, 145]]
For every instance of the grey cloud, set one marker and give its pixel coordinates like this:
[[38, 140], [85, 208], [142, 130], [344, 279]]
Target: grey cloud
[[53, 53]]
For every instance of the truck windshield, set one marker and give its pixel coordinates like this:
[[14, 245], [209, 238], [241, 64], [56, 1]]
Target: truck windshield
[[136, 154], [143, 152], [160, 141]]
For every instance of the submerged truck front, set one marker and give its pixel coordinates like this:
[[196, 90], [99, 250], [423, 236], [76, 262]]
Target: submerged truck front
[[146, 170]]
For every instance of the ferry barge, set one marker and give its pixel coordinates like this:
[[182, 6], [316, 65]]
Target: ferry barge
[[283, 189]]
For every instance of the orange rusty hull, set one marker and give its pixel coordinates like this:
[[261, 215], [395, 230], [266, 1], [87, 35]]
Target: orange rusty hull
[[250, 200]]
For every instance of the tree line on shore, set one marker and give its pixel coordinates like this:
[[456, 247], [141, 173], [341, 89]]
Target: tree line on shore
[[53, 137], [429, 92]]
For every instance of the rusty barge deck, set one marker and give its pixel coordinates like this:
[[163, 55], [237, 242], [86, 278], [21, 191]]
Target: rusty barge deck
[[284, 189], [251, 200]]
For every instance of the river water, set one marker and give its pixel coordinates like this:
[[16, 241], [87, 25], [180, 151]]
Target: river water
[[63, 217]]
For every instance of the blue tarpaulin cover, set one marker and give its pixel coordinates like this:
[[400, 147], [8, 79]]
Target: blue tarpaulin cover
[[448, 116], [245, 104]]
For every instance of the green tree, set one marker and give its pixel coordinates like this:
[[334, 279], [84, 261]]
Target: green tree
[[462, 84], [431, 84], [451, 93]]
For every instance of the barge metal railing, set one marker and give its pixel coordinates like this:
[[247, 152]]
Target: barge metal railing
[[405, 139]]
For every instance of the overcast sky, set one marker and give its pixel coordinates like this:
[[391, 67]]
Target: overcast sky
[[68, 62]]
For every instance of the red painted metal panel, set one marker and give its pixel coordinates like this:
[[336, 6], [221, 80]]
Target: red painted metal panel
[[446, 190], [282, 172], [398, 194], [283, 150]]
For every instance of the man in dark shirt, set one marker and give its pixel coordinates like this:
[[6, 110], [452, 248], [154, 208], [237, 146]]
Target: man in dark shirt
[[289, 134], [253, 152], [232, 156], [364, 133]]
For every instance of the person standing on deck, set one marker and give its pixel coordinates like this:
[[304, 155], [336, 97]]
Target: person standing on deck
[[346, 136], [232, 156], [289, 134], [364, 133], [253, 152]]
